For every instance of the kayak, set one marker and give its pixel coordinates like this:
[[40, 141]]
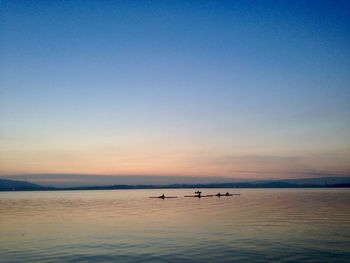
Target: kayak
[[163, 197], [199, 196], [224, 195]]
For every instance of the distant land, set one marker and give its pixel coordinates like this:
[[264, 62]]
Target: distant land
[[58, 180], [16, 185]]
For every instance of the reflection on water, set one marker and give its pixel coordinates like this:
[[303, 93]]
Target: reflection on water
[[125, 225]]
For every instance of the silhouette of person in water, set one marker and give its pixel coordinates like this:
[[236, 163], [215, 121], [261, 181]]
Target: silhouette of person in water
[[227, 194], [162, 196], [219, 194]]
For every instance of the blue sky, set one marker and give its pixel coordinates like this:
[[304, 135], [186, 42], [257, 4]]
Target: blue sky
[[254, 89]]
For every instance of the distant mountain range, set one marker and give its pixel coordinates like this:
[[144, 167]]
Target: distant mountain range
[[15, 185]]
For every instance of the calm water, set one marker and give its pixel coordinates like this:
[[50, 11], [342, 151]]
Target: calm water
[[126, 226]]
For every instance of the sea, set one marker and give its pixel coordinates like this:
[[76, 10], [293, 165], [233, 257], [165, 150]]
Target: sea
[[259, 225]]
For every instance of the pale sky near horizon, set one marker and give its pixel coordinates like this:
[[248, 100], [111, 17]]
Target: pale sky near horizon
[[238, 89]]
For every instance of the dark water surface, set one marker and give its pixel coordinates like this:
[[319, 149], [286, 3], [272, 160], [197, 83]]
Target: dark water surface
[[288, 225]]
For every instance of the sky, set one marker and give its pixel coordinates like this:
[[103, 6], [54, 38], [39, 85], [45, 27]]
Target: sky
[[223, 89]]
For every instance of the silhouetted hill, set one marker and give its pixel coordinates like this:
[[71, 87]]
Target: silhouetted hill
[[269, 184], [12, 185], [322, 181]]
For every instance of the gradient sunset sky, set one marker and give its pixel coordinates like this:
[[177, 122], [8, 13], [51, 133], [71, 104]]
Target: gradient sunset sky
[[238, 89]]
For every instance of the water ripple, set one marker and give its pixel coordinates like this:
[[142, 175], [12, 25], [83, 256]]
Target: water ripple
[[289, 225]]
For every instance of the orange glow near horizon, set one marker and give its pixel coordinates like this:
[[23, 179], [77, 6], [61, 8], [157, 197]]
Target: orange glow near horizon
[[169, 163]]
